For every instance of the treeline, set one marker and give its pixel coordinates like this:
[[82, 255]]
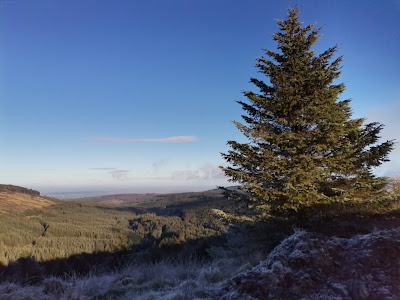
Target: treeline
[[167, 231], [8, 188], [64, 229], [74, 227]]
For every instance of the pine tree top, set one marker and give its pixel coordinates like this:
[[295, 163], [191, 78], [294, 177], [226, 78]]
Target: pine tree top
[[304, 148]]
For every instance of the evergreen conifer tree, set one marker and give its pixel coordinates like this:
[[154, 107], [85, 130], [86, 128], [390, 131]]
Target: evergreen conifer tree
[[304, 149]]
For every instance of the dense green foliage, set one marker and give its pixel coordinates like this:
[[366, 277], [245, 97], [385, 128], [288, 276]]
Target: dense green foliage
[[83, 238], [172, 230], [63, 229], [304, 149], [73, 227]]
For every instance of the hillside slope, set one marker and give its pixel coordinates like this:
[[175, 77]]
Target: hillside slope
[[305, 265], [19, 199], [20, 202], [9, 188], [45, 229]]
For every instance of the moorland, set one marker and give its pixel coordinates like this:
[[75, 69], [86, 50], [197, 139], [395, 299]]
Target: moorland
[[186, 246]]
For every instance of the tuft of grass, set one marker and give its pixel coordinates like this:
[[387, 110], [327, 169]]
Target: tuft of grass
[[396, 188], [166, 279]]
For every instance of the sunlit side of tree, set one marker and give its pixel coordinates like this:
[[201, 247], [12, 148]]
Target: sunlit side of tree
[[303, 148]]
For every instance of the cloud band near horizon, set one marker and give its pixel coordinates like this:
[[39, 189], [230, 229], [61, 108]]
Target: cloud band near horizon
[[172, 139]]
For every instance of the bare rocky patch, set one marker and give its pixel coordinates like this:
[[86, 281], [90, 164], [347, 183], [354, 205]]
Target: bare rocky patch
[[314, 266]]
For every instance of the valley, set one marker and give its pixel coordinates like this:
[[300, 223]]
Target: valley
[[185, 246]]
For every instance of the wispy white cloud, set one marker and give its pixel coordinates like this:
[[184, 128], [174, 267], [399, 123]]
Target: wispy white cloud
[[159, 164], [388, 115], [115, 173], [185, 175], [207, 171], [172, 139], [119, 174]]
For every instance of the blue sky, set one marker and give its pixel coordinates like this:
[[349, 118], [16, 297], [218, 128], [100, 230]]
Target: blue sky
[[140, 95]]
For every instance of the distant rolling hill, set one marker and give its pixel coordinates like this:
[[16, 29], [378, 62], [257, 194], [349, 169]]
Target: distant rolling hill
[[19, 199], [133, 198], [118, 198], [163, 204], [48, 229]]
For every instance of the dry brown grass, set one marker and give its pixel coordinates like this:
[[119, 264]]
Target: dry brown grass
[[396, 188], [19, 202]]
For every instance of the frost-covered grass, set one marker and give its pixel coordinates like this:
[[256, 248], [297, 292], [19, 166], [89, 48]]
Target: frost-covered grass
[[310, 266], [307, 264], [162, 280], [250, 259]]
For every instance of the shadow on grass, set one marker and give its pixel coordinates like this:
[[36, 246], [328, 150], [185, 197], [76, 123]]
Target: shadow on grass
[[247, 236], [29, 271]]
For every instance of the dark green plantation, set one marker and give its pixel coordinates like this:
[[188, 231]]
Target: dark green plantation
[[72, 227], [172, 244], [155, 222]]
